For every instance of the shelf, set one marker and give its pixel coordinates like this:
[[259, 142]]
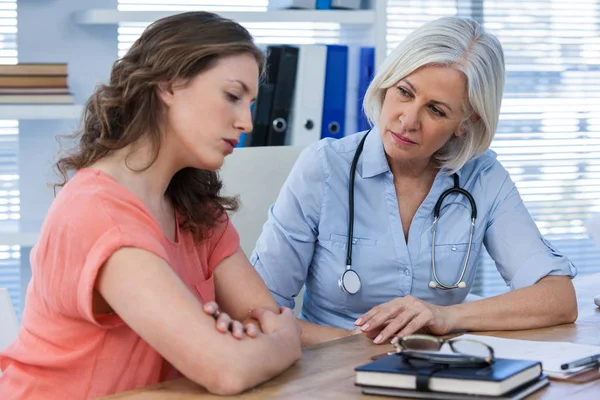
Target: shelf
[[26, 239], [40, 111], [101, 16]]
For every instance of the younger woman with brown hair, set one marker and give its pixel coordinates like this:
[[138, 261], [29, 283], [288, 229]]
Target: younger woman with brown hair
[[139, 237]]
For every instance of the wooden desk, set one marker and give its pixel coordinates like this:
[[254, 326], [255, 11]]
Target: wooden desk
[[326, 371]]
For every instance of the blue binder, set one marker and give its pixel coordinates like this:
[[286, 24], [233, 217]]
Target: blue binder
[[366, 71], [334, 97], [323, 4], [245, 136]]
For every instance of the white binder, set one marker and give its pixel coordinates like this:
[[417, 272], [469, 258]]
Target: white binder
[[307, 106], [283, 4]]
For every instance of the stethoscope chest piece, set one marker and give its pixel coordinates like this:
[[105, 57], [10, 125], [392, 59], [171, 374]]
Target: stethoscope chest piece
[[349, 282]]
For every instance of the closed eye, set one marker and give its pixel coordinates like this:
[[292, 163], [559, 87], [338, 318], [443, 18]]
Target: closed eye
[[232, 97], [437, 111], [403, 92]]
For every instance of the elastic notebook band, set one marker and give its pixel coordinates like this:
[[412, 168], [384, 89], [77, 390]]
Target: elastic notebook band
[[423, 380]]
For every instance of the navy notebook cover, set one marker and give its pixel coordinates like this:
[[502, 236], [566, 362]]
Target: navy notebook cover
[[500, 370]]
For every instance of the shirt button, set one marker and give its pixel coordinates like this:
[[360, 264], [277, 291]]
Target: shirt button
[[406, 272], [354, 241], [453, 248]]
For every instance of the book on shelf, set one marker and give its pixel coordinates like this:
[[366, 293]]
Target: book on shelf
[[33, 81], [518, 393], [36, 98], [56, 69], [500, 377], [34, 90]]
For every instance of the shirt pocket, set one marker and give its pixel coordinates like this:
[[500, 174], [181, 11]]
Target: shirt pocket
[[205, 290], [449, 261], [356, 241]]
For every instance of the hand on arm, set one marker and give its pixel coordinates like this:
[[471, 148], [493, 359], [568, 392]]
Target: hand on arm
[[239, 289], [527, 308], [404, 316], [145, 292], [224, 323]]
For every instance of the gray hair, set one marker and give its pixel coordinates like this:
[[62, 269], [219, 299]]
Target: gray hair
[[465, 45]]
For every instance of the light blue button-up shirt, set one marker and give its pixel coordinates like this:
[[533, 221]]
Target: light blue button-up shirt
[[304, 240]]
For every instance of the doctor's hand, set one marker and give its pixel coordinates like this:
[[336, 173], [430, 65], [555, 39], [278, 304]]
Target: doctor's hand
[[224, 323], [404, 316]]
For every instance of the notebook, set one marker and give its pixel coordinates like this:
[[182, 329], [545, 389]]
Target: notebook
[[515, 394], [394, 371]]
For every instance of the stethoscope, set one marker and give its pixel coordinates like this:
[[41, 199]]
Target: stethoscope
[[349, 281]]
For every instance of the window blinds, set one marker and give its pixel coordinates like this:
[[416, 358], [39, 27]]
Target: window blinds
[[9, 169]]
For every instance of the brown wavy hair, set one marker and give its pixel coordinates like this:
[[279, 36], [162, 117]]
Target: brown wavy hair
[[128, 108]]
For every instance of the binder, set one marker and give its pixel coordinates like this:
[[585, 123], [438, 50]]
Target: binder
[[245, 136], [366, 71], [294, 4], [345, 4], [284, 72], [334, 97], [323, 4], [307, 106], [262, 114]]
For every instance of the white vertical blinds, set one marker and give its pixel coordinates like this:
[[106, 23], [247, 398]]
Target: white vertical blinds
[[9, 170], [549, 132]]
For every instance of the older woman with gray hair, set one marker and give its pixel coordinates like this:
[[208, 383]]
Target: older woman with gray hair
[[385, 228]]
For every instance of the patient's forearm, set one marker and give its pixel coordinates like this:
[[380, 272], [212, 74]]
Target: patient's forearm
[[313, 333], [551, 301]]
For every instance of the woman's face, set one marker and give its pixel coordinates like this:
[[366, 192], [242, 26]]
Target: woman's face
[[421, 113], [204, 119]]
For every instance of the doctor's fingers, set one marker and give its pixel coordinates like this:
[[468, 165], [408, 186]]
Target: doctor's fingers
[[400, 322], [420, 321], [378, 315]]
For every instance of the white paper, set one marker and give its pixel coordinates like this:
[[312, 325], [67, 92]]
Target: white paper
[[551, 354]]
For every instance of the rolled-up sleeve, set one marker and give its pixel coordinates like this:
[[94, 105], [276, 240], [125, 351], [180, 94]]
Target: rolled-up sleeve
[[286, 245], [522, 255]]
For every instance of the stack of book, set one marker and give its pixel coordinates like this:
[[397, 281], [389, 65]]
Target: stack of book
[[393, 375], [38, 83]]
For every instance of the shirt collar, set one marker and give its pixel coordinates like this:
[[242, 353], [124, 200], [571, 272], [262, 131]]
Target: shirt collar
[[373, 159], [374, 162]]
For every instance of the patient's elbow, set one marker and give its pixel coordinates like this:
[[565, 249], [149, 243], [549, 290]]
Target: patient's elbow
[[224, 377], [227, 383]]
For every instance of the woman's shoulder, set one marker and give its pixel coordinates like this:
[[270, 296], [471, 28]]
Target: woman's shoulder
[[484, 168], [92, 201], [332, 152], [347, 144]]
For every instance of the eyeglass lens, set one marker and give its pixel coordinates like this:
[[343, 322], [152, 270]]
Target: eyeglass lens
[[421, 344], [471, 348]]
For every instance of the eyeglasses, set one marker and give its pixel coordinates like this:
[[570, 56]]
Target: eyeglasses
[[426, 347]]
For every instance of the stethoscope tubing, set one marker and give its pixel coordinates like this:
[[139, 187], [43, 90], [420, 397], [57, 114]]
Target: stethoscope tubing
[[353, 283]]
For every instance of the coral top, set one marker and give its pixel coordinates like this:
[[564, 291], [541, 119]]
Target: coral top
[[63, 350]]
